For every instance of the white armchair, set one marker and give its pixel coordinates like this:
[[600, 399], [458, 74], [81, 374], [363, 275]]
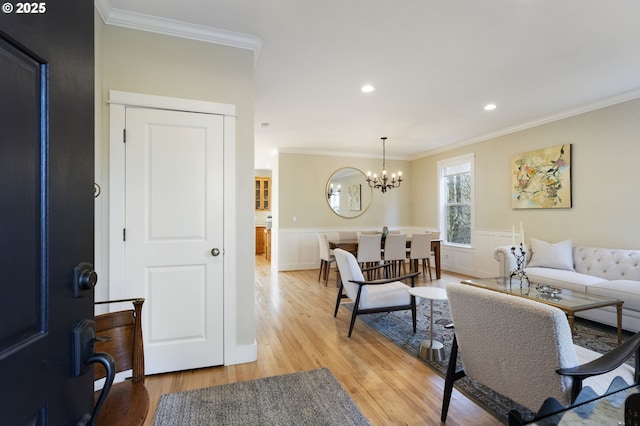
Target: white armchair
[[373, 296], [524, 350]]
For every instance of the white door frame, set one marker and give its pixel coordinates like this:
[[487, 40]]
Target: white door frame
[[118, 101]]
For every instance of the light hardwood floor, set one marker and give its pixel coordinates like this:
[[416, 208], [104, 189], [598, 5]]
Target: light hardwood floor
[[296, 331]]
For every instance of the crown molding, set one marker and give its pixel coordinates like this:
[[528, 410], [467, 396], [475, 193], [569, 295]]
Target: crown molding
[[175, 28], [593, 106]]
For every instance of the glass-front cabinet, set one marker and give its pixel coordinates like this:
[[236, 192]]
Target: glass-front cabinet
[[263, 193]]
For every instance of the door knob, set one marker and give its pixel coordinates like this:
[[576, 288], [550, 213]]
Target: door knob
[[215, 252], [84, 278]]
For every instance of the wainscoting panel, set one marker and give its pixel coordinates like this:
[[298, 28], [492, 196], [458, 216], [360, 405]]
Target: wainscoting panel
[[298, 249]]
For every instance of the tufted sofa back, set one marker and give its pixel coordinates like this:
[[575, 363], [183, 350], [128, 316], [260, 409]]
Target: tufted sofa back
[[610, 264]]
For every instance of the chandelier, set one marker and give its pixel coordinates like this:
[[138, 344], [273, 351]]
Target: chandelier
[[383, 183]]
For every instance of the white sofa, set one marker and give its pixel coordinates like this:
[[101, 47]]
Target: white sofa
[[601, 271]]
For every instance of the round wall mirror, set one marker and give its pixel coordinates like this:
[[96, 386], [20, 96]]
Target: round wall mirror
[[348, 193]]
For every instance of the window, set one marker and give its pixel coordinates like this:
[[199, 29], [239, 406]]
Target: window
[[455, 177]]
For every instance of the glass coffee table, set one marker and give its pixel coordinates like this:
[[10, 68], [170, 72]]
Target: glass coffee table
[[568, 301]]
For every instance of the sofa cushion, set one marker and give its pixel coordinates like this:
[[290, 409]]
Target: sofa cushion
[[569, 280], [626, 290], [610, 264], [551, 255]]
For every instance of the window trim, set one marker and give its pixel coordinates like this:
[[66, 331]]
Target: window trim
[[442, 195]]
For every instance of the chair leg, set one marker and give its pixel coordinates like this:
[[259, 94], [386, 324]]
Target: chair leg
[[449, 380], [340, 297], [356, 303], [321, 268], [429, 269], [413, 313], [353, 321], [326, 272]]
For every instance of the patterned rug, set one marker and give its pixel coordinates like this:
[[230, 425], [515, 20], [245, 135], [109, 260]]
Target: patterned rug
[[309, 398], [396, 326]]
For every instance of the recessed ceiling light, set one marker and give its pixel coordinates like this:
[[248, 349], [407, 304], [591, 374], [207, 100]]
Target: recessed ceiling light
[[367, 88], [490, 107]]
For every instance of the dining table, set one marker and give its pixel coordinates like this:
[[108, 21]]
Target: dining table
[[351, 245]]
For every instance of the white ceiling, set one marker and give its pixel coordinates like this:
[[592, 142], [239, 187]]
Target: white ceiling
[[434, 63]]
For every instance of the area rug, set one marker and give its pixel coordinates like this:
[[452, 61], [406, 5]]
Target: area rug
[[396, 326], [307, 398]]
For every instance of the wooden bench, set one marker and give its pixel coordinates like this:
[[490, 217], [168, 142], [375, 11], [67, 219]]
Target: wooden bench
[[120, 335]]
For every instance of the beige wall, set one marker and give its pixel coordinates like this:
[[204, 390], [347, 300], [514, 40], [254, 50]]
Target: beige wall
[[302, 180], [606, 201], [149, 63]]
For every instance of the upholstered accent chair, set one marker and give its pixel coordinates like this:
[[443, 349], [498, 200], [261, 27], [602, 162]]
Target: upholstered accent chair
[[383, 295], [524, 350]]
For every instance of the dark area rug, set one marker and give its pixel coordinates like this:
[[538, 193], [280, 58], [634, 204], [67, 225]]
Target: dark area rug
[[396, 326], [307, 398]]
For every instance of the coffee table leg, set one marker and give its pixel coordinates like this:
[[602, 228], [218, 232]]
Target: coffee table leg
[[619, 312], [571, 317]]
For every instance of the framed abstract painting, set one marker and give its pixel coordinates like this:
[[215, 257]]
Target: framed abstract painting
[[541, 179]]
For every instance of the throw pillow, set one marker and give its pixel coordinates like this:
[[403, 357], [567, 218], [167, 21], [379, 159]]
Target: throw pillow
[[551, 255]]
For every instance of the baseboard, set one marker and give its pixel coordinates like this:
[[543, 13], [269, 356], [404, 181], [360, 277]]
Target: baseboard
[[243, 354]]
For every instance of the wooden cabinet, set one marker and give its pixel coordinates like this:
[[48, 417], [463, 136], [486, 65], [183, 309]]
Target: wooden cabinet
[[260, 236], [267, 244], [263, 193]]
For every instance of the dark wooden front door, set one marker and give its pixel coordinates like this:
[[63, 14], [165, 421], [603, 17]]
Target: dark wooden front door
[[46, 207]]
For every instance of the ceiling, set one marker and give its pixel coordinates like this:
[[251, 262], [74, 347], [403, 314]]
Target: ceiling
[[434, 63]]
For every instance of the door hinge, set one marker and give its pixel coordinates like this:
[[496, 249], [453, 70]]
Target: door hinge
[[124, 234], [124, 135]]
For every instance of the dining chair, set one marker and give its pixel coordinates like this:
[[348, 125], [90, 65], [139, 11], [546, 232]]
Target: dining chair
[[421, 251], [369, 252], [372, 296], [326, 258], [395, 254]]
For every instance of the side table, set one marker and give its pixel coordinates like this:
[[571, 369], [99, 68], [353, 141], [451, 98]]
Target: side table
[[431, 350]]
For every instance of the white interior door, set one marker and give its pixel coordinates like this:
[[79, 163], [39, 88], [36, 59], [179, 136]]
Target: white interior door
[[174, 226]]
